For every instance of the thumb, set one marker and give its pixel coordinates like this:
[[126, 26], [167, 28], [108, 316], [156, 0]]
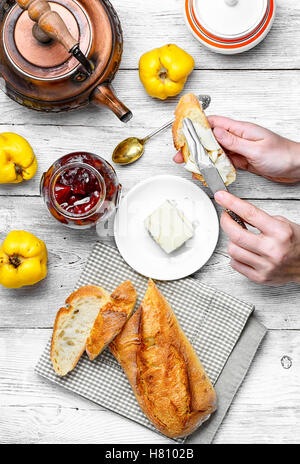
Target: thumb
[[178, 158], [234, 143]]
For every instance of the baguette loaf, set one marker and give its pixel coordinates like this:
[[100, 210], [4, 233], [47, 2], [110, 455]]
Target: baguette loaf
[[190, 107], [111, 319], [165, 373], [73, 325]]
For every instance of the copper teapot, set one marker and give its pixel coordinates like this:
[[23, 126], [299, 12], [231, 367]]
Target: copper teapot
[[60, 55]]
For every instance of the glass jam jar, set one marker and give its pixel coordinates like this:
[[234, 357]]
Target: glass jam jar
[[80, 189]]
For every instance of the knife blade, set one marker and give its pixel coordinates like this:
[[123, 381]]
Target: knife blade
[[205, 165]]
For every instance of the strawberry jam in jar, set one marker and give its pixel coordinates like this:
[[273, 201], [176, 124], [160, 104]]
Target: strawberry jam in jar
[[80, 189]]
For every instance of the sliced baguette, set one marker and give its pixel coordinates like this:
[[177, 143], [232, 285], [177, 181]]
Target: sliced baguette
[[190, 107], [73, 325], [111, 319]]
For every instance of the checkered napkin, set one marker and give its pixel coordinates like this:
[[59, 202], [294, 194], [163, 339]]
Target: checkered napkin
[[212, 320]]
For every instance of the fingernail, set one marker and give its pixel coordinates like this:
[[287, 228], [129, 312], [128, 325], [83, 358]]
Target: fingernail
[[219, 196], [178, 158]]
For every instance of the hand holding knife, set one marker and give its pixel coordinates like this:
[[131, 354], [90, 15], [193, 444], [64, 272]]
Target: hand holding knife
[[207, 168]]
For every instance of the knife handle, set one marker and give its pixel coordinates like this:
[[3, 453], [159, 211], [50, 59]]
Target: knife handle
[[236, 218]]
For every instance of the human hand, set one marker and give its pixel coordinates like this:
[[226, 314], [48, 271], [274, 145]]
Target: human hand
[[271, 257], [256, 149]]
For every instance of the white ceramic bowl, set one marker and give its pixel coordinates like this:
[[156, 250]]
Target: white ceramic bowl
[[229, 26]]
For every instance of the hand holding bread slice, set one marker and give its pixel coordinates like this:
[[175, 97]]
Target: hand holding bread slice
[[190, 107]]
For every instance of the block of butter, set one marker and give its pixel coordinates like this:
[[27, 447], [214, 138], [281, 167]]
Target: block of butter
[[169, 227]]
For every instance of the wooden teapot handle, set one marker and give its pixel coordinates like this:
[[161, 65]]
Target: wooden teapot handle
[[49, 22]]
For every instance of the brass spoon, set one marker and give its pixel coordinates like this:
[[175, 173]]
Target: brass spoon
[[131, 149]]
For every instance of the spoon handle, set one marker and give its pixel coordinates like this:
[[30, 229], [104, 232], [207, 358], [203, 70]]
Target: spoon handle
[[157, 131], [204, 100]]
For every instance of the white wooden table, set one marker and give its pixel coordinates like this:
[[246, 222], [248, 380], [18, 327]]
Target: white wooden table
[[262, 86]]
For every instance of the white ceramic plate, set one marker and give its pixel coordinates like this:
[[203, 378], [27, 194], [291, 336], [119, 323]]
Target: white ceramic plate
[[139, 249]]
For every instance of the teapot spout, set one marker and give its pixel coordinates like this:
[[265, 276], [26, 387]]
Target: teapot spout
[[104, 95]]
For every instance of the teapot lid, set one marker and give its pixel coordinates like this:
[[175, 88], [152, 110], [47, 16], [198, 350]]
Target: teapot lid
[[48, 61]]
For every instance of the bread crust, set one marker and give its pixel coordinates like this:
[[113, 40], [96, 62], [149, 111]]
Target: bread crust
[[86, 290], [64, 316], [190, 107], [111, 319], [163, 369]]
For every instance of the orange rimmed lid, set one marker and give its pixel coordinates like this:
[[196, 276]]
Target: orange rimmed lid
[[229, 24]]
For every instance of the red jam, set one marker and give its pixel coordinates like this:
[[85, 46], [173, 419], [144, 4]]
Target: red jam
[[77, 190], [80, 189]]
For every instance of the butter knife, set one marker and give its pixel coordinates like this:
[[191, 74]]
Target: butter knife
[[205, 165]]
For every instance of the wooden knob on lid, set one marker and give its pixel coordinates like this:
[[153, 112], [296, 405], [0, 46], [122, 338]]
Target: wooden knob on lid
[[36, 8], [54, 27], [49, 22], [40, 35]]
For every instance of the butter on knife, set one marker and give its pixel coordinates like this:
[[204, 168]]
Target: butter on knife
[[169, 227]]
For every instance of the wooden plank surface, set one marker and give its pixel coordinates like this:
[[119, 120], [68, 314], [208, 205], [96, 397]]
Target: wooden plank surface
[[249, 95], [237, 94], [261, 86], [68, 251], [160, 22], [265, 410]]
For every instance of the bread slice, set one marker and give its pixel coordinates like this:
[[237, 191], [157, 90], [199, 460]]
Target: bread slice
[[190, 107], [165, 373], [73, 325], [111, 319]]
